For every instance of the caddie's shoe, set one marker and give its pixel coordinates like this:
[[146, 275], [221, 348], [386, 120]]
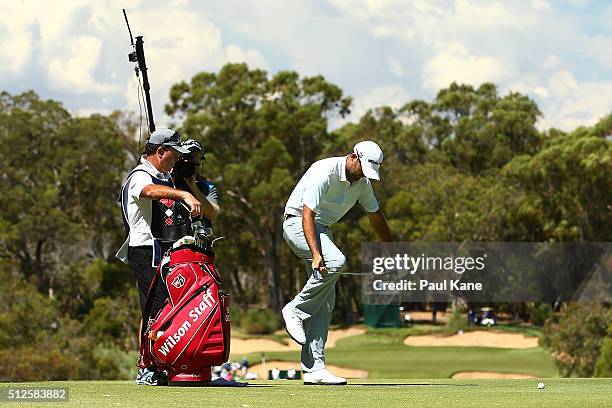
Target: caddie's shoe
[[323, 377], [150, 376], [294, 325]]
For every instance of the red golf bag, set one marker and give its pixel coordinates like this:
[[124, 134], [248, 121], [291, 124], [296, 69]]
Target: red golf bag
[[191, 332]]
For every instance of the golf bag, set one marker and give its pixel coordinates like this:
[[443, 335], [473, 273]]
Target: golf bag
[[191, 332]]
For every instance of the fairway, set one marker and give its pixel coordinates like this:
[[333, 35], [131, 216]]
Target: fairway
[[382, 354], [374, 393]]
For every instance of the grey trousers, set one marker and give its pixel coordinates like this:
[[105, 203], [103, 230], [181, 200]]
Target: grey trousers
[[316, 300]]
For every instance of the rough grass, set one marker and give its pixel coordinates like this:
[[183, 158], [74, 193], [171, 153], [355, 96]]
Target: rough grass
[[372, 393]]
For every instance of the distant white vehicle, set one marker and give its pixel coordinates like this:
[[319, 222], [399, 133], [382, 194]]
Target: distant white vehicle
[[488, 319]]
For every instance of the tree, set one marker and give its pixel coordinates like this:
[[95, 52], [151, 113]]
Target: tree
[[60, 179], [476, 130], [262, 134], [575, 336], [568, 184]]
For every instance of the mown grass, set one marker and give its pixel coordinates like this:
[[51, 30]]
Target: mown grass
[[382, 354], [372, 393]]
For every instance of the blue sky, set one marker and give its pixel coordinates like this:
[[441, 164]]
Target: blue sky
[[380, 52]]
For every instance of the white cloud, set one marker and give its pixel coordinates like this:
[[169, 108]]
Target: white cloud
[[86, 112], [389, 95], [16, 39], [73, 69], [598, 47], [573, 104], [551, 61], [394, 96], [75, 50], [541, 91], [81, 49], [251, 57], [396, 68], [563, 83], [456, 64]]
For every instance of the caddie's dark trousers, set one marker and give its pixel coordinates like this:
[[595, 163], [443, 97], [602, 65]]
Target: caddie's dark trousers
[[139, 259]]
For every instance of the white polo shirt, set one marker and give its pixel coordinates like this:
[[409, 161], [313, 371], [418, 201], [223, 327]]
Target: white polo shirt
[[325, 190]]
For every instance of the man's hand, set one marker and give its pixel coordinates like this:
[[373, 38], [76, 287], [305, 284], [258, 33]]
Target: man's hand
[[208, 209], [193, 203], [308, 225], [318, 264]]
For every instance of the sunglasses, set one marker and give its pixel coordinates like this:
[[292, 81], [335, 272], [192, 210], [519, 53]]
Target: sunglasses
[[175, 137], [360, 155]]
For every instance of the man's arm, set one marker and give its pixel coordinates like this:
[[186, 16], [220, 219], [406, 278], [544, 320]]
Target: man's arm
[[308, 225], [156, 192], [210, 210], [379, 223]]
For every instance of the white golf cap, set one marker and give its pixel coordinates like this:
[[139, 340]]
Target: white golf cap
[[371, 156]]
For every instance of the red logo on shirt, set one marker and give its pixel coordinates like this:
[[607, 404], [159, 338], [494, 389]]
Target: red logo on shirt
[[167, 202]]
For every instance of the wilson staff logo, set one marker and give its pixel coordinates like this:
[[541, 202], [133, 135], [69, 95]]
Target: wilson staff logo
[[178, 282]]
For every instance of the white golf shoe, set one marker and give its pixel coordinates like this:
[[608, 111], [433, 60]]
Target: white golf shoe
[[323, 377], [294, 325]]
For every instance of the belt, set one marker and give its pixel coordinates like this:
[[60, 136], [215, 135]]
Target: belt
[[287, 216]]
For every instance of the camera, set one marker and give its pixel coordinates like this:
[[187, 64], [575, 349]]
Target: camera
[[184, 167]]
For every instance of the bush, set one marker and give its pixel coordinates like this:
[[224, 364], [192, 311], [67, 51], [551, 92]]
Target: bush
[[603, 368], [456, 322], [114, 320], [236, 314], [576, 336], [256, 321], [113, 363], [36, 363], [540, 314]]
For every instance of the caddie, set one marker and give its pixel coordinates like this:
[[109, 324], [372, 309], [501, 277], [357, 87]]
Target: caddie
[[324, 194], [148, 201]]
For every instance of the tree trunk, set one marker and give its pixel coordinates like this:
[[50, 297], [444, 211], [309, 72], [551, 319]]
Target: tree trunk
[[43, 284], [238, 287]]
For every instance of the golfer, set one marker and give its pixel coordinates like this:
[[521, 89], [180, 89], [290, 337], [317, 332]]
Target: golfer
[[327, 191]]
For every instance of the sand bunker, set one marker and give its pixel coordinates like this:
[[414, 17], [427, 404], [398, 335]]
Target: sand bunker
[[245, 346], [466, 375], [479, 338], [262, 373]]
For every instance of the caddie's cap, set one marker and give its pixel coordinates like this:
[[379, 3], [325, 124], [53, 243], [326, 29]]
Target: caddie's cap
[[193, 145], [168, 137], [371, 156]]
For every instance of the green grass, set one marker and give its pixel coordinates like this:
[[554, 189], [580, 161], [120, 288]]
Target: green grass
[[528, 331], [397, 393], [382, 354]]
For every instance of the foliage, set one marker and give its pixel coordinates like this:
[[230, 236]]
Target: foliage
[[256, 321], [470, 165], [575, 336], [262, 134], [456, 322], [541, 313], [112, 363], [59, 230], [603, 368]]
